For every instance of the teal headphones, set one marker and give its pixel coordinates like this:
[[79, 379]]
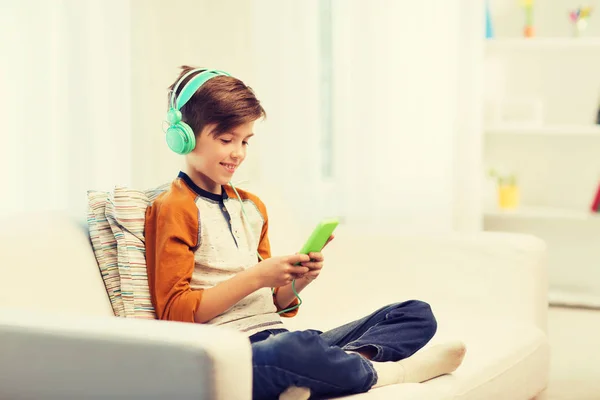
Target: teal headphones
[[180, 136]]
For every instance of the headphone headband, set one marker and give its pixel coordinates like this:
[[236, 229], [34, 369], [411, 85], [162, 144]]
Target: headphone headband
[[190, 88], [180, 136]]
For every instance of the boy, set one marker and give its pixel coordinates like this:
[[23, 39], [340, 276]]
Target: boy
[[203, 248]]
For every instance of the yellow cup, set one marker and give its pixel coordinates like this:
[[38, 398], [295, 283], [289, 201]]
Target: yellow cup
[[508, 196]]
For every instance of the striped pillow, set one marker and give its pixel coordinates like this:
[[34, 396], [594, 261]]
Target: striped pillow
[[126, 212], [104, 245]]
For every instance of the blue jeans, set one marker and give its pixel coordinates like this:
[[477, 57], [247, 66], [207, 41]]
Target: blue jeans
[[318, 360]]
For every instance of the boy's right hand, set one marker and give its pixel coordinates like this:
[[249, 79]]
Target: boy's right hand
[[280, 271]]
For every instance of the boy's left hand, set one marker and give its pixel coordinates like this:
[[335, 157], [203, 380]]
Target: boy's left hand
[[315, 264]]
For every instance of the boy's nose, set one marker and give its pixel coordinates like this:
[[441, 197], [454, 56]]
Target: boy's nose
[[237, 153]]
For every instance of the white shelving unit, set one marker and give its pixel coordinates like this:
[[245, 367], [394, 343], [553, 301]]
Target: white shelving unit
[[549, 130], [546, 213], [555, 157], [548, 43]]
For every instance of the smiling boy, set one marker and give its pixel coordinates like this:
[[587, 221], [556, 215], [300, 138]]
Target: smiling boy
[[209, 261]]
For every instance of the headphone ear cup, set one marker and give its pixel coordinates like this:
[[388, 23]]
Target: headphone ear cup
[[190, 138], [181, 138]]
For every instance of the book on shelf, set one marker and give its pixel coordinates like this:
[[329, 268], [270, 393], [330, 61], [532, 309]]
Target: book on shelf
[[596, 203]]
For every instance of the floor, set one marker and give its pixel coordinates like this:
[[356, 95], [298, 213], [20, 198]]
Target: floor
[[575, 342]]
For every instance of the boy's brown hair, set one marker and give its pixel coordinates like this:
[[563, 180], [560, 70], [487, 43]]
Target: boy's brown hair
[[223, 100]]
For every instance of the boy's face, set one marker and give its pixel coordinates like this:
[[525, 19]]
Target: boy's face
[[214, 160]]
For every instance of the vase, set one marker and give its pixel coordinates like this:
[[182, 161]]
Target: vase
[[579, 27], [508, 196]]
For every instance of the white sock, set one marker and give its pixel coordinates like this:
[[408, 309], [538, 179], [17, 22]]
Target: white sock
[[421, 366], [295, 393]]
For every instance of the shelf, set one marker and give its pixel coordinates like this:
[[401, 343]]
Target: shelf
[[589, 43], [558, 297], [553, 213], [549, 130]]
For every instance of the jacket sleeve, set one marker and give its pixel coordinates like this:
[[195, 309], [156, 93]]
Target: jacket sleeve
[[290, 313], [171, 239]]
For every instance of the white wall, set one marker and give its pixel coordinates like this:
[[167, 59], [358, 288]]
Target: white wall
[[64, 107], [288, 67], [166, 35], [469, 141], [397, 102]]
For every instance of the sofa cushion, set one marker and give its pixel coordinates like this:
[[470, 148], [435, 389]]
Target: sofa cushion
[[503, 361], [404, 391], [47, 264], [104, 245], [125, 212]]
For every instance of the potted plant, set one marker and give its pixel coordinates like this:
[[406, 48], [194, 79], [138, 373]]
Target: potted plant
[[507, 189]]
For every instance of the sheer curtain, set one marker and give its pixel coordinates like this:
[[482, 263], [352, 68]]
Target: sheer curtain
[[402, 106], [65, 84], [288, 70], [382, 94]]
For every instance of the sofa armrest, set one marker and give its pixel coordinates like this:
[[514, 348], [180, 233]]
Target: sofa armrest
[[66, 356]]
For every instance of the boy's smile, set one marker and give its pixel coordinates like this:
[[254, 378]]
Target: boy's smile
[[215, 159], [230, 167]]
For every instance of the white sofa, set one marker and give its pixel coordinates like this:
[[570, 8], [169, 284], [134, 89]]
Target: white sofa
[[60, 340]]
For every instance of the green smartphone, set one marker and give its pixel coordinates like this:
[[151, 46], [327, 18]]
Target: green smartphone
[[319, 236]]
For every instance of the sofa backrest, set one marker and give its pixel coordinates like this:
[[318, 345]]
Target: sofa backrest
[[47, 263]]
